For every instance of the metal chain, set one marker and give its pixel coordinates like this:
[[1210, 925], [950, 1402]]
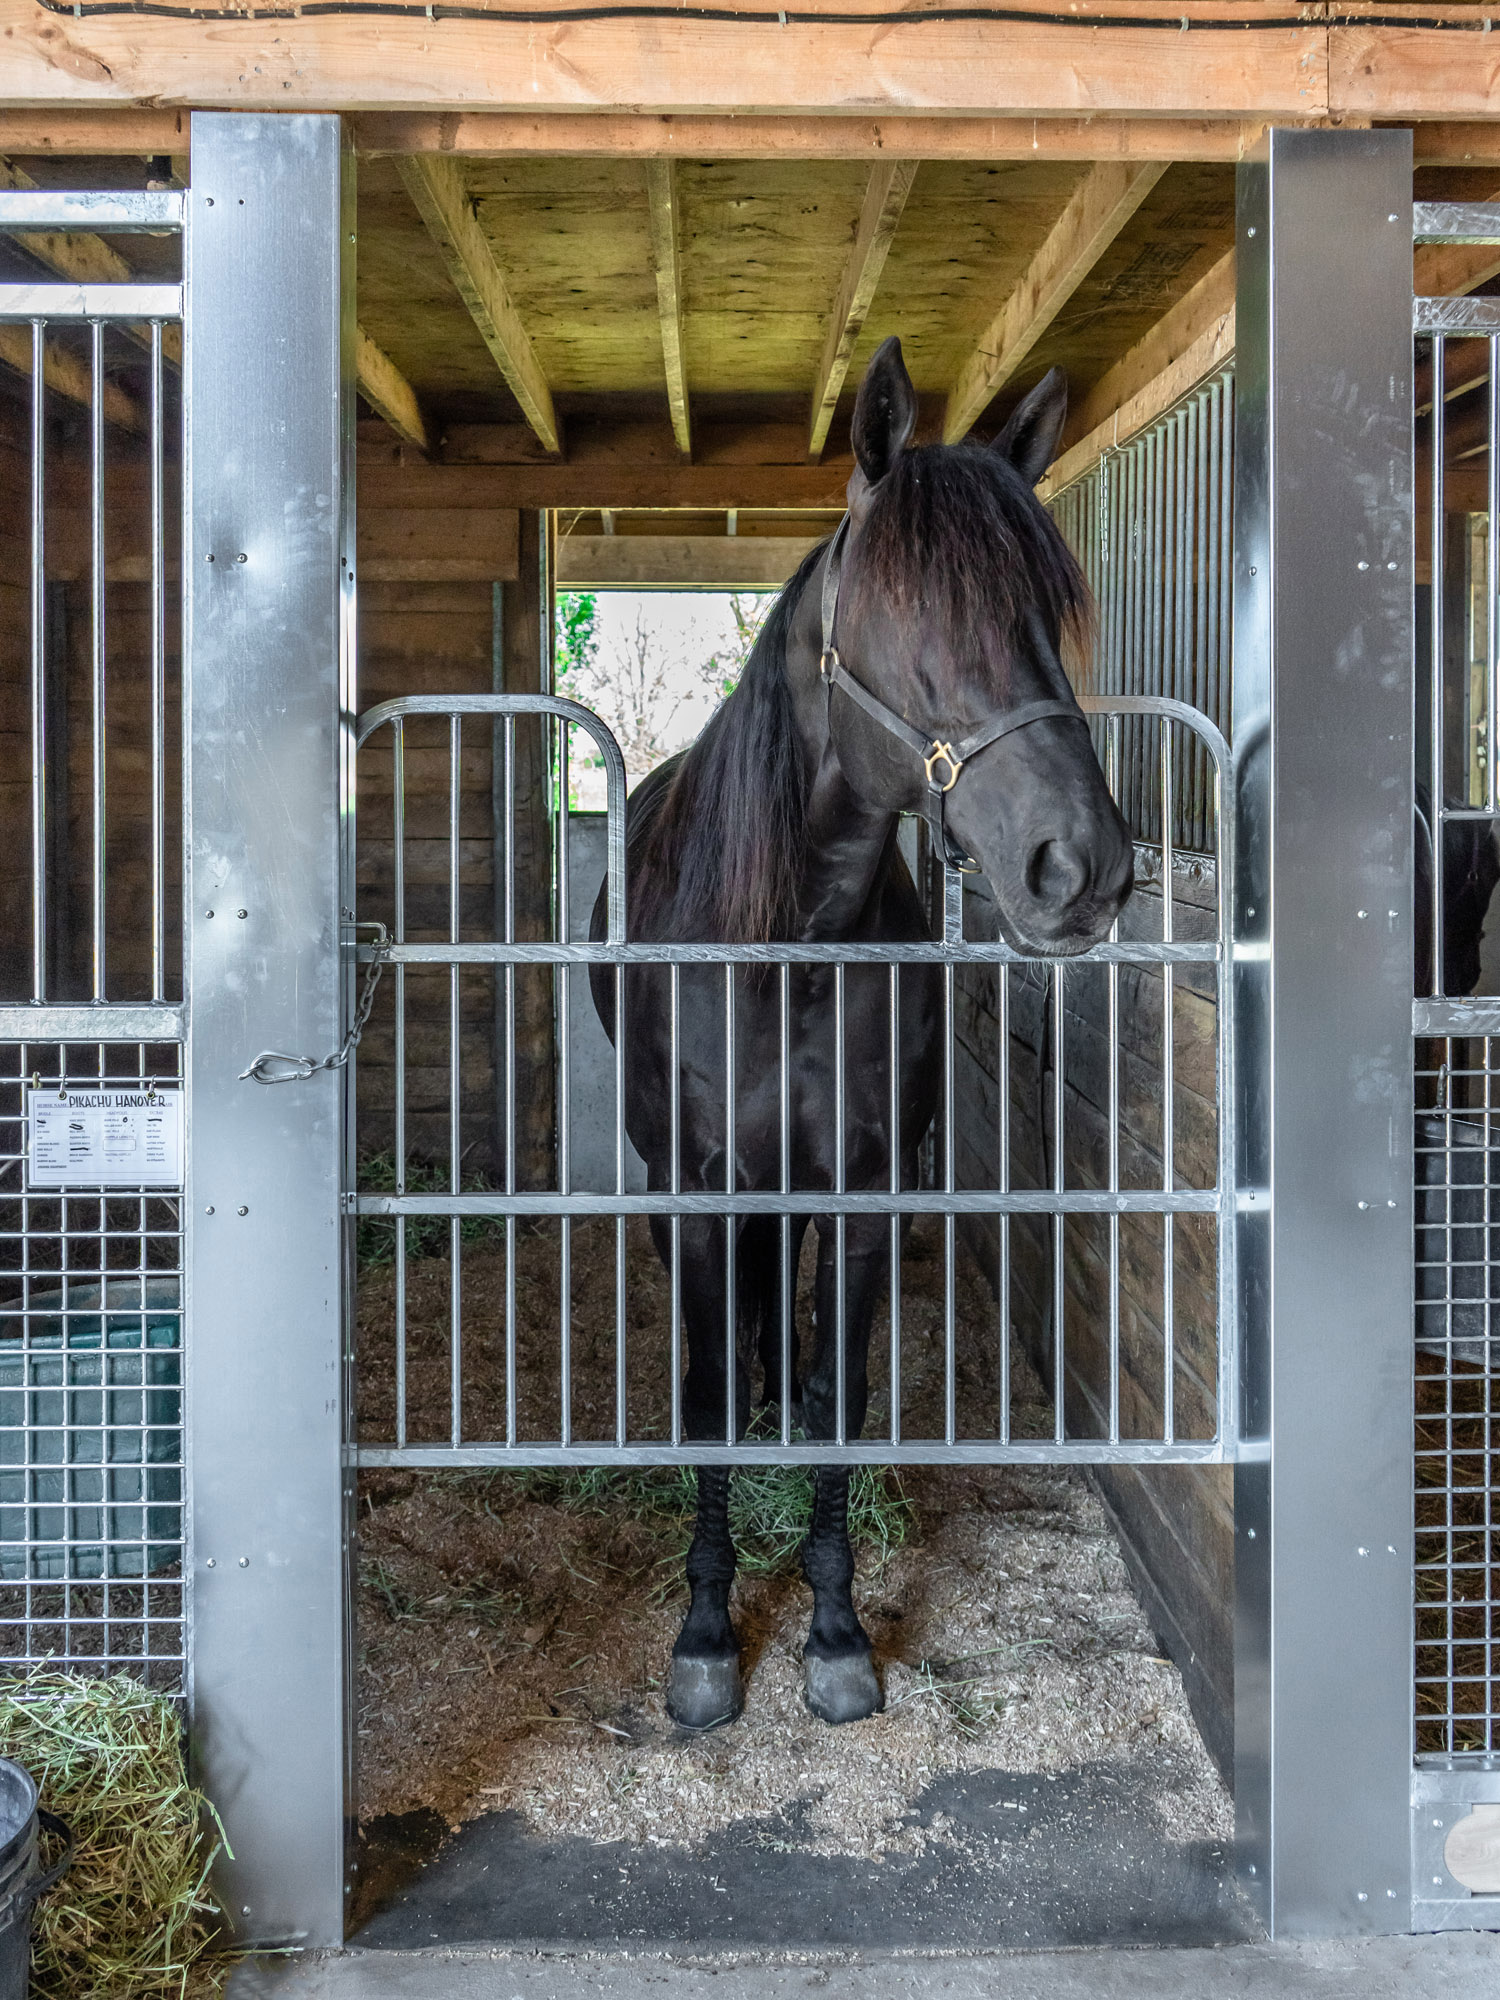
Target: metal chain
[[296, 1069]]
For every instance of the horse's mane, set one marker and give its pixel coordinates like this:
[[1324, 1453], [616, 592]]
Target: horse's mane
[[953, 532], [718, 848]]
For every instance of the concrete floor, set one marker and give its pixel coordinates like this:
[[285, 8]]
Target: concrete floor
[[1458, 1966]]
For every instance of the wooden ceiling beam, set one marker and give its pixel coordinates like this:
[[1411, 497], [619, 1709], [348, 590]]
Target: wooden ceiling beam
[[666, 256], [68, 375], [388, 392], [885, 197], [618, 485], [1096, 212], [436, 186]]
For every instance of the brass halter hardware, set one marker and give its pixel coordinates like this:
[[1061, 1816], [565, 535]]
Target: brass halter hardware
[[943, 753]]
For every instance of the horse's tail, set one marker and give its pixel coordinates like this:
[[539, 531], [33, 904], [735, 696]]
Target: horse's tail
[[758, 1280]]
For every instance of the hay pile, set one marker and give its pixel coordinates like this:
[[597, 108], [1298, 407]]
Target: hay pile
[[133, 1915]]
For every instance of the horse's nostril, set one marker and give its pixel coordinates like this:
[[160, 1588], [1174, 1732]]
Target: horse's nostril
[[1057, 873]]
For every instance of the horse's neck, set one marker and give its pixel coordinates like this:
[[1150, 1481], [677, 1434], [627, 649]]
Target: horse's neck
[[847, 845]]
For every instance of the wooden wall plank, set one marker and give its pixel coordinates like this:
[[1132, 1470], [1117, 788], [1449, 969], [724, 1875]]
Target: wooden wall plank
[[666, 258], [681, 562], [1099, 207], [880, 213], [437, 187]]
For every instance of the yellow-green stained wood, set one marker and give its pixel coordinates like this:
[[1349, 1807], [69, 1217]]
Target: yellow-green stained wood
[[1102, 203], [436, 186], [666, 257], [880, 213], [387, 391]]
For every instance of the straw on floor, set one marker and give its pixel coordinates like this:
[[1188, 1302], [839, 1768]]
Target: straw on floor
[[134, 1912]]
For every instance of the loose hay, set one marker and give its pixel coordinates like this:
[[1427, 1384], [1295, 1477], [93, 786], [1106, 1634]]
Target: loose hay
[[133, 1914]]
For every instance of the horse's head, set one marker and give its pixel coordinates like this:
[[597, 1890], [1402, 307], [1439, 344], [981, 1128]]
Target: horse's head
[[955, 598]]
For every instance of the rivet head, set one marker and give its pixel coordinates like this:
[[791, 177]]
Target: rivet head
[[242, 558], [244, 1562], [208, 913], [1390, 1892], [209, 1210], [1364, 565], [1364, 1552], [1361, 1896], [242, 1210], [1364, 1204], [212, 1562], [242, 913]]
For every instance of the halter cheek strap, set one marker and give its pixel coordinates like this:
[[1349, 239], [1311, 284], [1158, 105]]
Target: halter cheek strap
[[942, 760]]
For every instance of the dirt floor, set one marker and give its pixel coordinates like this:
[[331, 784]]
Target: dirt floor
[[516, 1627]]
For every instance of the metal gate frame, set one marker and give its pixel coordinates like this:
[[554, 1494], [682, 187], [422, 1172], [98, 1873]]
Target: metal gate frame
[[1321, 942]]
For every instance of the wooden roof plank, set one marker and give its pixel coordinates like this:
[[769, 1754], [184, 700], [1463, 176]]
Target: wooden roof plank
[[436, 185], [665, 212], [388, 392], [880, 213], [1096, 212]]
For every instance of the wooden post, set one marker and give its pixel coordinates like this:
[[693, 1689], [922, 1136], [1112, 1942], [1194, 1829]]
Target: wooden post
[[524, 666]]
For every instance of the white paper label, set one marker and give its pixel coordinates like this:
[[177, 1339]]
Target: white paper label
[[104, 1138]]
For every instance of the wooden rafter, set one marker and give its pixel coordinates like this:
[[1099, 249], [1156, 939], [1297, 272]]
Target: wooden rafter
[[1096, 212], [437, 187], [68, 375], [885, 197], [666, 256], [388, 392]]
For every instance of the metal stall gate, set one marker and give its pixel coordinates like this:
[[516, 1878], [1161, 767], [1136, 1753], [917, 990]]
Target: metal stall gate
[[175, 587], [1456, 1792]]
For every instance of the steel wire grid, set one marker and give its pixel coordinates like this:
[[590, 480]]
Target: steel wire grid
[[1152, 524], [1457, 1330], [91, 1340], [91, 1354], [1107, 1220]]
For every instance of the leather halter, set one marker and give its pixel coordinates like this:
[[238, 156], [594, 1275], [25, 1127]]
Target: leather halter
[[936, 752]]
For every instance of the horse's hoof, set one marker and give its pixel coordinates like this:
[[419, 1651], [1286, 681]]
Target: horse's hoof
[[703, 1692], [843, 1689]]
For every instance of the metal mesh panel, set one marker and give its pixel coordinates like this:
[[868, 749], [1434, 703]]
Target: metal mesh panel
[[91, 1352], [1458, 1400], [1152, 523]]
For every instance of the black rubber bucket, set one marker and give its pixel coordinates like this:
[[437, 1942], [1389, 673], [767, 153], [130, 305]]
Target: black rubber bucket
[[21, 1880]]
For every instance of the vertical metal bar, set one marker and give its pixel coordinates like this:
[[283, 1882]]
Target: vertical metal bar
[[840, 1169], [96, 647], [1059, 1222], [455, 1088], [38, 662], [893, 1119], [621, 1412], [1002, 981], [158, 675], [559, 733], [1324, 818], [950, 1296], [674, 982], [508, 913], [1168, 1097], [784, 1126], [398, 928], [1437, 621], [268, 659], [1491, 573], [1199, 696], [1112, 976], [731, 1222]]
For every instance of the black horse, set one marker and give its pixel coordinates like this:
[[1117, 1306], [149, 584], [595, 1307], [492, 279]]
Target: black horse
[[912, 664], [1471, 873]]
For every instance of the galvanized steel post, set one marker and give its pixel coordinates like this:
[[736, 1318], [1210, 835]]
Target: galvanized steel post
[[1323, 967], [267, 554]]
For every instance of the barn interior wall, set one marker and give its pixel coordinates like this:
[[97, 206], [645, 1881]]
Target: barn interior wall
[[1176, 1523]]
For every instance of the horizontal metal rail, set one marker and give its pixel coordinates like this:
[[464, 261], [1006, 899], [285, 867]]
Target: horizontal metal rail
[[105, 1023], [862, 1451], [835, 952], [1459, 1018], [128, 212], [802, 1201], [1455, 222], [90, 302]]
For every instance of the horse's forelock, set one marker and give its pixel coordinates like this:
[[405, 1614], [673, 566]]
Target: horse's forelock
[[955, 535]]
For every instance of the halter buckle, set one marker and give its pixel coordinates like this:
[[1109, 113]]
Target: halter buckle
[[828, 659], [942, 753]]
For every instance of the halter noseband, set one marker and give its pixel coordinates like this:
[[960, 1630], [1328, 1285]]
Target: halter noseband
[[936, 751]]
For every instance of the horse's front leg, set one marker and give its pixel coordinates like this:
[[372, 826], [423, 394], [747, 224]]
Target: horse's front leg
[[840, 1680], [704, 1688]]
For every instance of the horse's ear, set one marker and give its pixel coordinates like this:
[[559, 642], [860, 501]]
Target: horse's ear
[[885, 412], [1034, 426]]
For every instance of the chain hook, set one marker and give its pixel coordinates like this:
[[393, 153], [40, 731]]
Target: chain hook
[[275, 1066]]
